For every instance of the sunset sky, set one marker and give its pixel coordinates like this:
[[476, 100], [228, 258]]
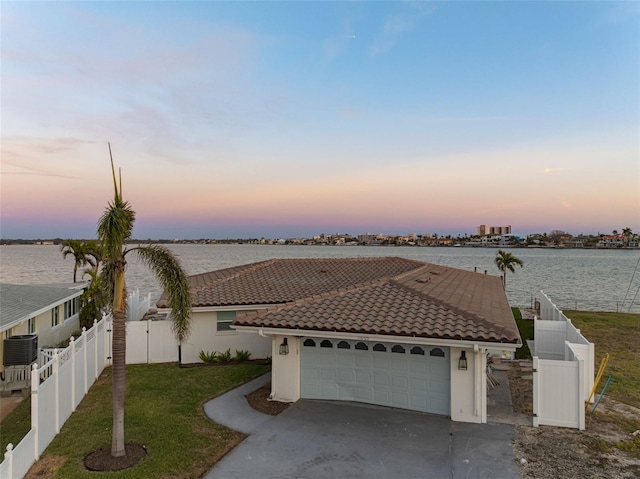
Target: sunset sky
[[283, 119]]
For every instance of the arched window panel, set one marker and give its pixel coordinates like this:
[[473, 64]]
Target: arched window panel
[[398, 349], [326, 344], [437, 352], [417, 350], [380, 347], [344, 345], [309, 343], [362, 346]]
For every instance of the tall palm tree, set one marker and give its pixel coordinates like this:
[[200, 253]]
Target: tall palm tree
[[76, 248], [506, 261], [114, 229]]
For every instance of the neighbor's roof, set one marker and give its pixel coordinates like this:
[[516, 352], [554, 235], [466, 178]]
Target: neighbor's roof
[[431, 302], [279, 281], [19, 302]]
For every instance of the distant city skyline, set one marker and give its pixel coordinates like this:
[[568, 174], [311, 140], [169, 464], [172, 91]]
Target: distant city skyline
[[287, 119]]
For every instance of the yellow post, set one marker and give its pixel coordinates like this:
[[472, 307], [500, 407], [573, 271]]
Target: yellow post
[[603, 365]]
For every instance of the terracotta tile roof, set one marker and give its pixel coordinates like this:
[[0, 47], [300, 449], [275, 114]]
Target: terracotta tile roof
[[389, 295], [432, 301], [284, 280]]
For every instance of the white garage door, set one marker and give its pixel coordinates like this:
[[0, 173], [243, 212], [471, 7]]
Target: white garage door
[[388, 374]]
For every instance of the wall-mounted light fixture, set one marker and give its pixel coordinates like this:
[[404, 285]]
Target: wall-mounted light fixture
[[284, 347], [462, 362]]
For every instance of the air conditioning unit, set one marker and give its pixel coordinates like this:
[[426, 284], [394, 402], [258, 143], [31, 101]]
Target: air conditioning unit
[[20, 350]]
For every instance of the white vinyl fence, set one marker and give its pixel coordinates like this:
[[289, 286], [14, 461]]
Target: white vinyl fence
[[563, 369], [57, 387]]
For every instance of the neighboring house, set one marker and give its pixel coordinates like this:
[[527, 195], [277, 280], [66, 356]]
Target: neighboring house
[[386, 331], [51, 312]]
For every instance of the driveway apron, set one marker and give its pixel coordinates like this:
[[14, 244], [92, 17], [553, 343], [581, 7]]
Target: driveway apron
[[325, 439]]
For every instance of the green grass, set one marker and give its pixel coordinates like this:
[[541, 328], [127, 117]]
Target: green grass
[[16, 425], [163, 412], [619, 335], [525, 326]]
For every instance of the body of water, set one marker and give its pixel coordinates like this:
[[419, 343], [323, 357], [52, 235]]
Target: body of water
[[602, 280]]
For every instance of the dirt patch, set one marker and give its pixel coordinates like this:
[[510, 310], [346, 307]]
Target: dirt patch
[[259, 400], [607, 448], [102, 460], [46, 467]]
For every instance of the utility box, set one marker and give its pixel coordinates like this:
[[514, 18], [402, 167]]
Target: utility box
[[20, 350]]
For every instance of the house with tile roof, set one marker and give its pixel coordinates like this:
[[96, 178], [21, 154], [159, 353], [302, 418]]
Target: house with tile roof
[[388, 331], [50, 312]]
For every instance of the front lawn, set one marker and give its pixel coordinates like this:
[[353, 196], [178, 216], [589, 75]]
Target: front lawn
[[163, 412]]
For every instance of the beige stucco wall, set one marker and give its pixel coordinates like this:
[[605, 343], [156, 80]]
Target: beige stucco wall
[[205, 337], [469, 388], [285, 371]]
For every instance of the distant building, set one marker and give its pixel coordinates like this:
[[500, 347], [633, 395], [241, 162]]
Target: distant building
[[484, 230]]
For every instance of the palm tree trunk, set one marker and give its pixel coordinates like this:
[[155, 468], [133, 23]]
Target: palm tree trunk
[[119, 350]]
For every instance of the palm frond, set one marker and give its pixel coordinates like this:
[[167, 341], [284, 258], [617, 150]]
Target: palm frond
[[173, 279]]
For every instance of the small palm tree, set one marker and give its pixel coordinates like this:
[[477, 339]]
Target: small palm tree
[[93, 301], [76, 248], [506, 261], [114, 229]]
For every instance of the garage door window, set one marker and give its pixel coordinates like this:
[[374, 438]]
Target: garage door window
[[344, 345], [417, 350], [310, 343], [380, 347], [326, 344], [437, 352], [362, 346], [398, 349]]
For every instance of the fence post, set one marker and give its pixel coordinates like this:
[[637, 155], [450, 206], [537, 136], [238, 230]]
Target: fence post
[[8, 458], [536, 392], [95, 349], [72, 344], [85, 372], [581, 400], [35, 383], [56, 384]]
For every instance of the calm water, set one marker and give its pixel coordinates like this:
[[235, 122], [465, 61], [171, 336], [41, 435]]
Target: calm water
[[583, 279]]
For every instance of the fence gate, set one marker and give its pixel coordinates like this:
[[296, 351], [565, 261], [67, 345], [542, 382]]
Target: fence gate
[[557, 393]]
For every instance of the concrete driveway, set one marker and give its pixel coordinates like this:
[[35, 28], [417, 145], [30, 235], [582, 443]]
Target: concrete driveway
[[325, 439]]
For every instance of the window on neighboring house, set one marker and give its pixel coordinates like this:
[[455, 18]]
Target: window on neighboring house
[[8, 333], [32, 325], [225, 318], [70, 308], [55, 317]]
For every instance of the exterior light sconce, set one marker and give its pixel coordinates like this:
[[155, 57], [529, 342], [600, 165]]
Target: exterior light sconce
[[284, 347], [462, 362]]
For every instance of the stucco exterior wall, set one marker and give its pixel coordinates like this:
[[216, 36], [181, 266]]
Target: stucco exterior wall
[[469, 387], [206, 337], [285, 371]]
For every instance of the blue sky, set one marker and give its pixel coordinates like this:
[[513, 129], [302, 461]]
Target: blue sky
[[296, 118]]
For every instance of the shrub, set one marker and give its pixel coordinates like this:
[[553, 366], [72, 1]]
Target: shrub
[[242, 355], [226, 356], [211, 357]]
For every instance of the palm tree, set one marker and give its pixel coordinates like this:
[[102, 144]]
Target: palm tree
[[506, 261], [114, 229], [93, 301], [93, 254], [77, 249]]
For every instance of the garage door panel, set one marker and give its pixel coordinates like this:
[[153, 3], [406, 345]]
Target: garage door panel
[[389, 375], [381, 380]]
